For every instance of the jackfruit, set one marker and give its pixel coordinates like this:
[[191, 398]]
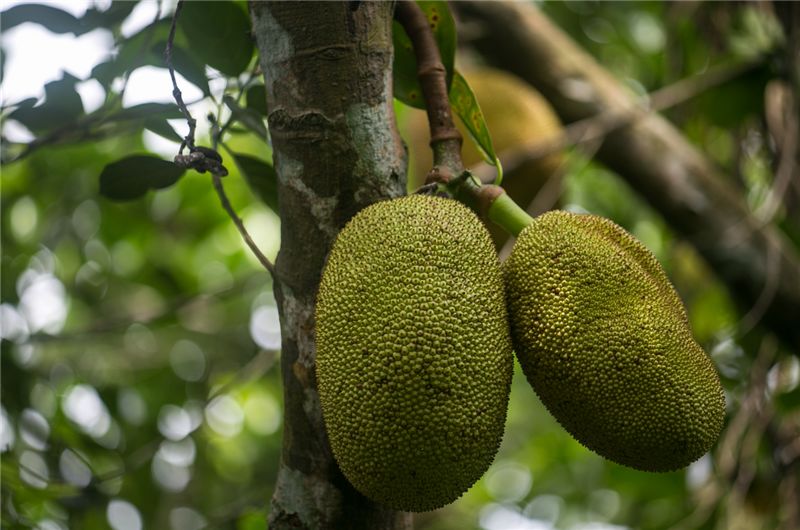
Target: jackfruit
[[605, 341], [516, 115], [414, 357]]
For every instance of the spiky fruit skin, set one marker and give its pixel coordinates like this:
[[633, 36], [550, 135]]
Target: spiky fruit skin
[[605, 341], [414, 357]]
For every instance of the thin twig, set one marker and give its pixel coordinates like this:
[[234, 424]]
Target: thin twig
[[445, 138], [226, 204], [254, 369], [188, 140]]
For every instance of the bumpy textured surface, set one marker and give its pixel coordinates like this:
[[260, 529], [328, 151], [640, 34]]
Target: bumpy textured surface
[[414, 357], [605, 342]]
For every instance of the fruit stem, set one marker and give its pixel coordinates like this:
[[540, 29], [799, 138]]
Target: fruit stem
[[507, 214], [445, 138], [448, 171], [490, 202]]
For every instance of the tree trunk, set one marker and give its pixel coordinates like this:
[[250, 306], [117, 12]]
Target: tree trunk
[[759, 265], [327, 69]]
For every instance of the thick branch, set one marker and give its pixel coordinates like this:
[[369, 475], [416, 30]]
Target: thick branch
[[327, 69], [760, 267]]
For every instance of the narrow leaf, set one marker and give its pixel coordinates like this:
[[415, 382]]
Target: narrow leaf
[[131, 177], [162, 128], [167, 111], [261, 178], [62, 105], [218, 35], [465, 106], [133, 52], [53, 19], [111, 17], [183, 63]]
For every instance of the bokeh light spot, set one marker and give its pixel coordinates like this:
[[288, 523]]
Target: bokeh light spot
[[123, 515]]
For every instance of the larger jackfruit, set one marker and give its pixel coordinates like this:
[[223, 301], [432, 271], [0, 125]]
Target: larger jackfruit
[[414, 355], [605, 342]]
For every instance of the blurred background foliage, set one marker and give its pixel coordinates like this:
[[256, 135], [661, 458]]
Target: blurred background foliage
[[140, 339]]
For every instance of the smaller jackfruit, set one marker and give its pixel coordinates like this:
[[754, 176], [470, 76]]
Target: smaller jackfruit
[[413, 351], [605, 341]]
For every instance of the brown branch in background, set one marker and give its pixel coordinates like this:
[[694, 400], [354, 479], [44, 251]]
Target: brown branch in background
[[445, 138], [596, 127], [587, 134], [765, 213]]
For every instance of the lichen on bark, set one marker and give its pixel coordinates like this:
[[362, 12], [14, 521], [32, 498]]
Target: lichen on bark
[[327, 71]]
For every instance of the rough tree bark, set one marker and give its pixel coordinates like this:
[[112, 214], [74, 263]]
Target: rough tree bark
[[760, 267], [327, 68]]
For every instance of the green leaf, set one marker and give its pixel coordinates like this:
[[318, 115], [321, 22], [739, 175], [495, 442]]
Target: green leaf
[[261, 177], [167, 111], [133, 52], [218, 34], [53, 19], [111, 17], [138, 51], [26, 103], [58, 21], [406, 84], [151, 116], [131, 177], [247, 117], [465, 106], [256, 97], [163, 129], [62, 105], [183, 63]]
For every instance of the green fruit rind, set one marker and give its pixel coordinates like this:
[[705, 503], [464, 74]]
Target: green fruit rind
[[605, 341], [414, 357]]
